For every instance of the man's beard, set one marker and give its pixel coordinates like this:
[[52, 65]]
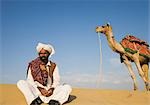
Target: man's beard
[[44, 59]]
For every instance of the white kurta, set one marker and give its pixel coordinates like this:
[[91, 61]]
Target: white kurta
[[29, 88]]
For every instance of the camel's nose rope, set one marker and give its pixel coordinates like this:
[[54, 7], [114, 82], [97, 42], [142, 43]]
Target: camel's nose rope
[[99, 79]]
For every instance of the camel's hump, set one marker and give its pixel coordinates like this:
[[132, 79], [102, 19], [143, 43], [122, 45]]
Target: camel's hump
[[132, 44]]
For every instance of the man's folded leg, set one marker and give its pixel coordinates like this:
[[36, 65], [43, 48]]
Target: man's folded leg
[[27, 90], [61, 94]]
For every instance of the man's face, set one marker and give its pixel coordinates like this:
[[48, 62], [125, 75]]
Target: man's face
[[44, 54]]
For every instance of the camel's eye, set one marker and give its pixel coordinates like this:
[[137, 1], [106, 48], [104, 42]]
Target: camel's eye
[[108, 24], [102, 26]]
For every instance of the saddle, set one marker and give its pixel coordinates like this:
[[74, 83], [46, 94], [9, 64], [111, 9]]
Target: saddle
[[133, 44]]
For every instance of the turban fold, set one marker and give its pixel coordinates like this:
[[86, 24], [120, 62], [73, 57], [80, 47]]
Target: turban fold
[[46, 47]]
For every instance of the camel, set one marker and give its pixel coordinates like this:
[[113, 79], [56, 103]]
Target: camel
[[141, 62]]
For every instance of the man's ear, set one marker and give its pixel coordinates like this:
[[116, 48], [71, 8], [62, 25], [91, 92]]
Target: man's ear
[[49, 54]]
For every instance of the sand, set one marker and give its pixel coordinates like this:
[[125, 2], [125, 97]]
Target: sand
[[10, 95]]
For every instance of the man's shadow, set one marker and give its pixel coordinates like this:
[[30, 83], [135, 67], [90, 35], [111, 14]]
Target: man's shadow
[[70, 99]]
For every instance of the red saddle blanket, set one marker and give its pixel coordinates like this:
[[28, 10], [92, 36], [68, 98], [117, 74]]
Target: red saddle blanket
[[132, 44]]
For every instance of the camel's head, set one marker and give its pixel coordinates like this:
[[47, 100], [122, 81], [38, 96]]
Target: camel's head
[[104, 29]]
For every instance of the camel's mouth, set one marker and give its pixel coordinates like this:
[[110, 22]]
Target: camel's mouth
[[100, 30]]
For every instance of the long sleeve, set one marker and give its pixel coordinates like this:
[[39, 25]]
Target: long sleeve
[[56, 77], [32, 82], [30, 78]]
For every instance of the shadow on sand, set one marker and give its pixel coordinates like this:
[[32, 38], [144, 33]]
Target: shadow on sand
[[71, 98]]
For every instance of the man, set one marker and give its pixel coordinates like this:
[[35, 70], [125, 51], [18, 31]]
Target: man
[[42, 84]]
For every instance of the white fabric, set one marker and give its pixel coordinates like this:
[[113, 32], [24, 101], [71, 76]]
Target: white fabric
[[47, 47], [29, 88]]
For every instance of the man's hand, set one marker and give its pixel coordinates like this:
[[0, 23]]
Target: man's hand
[[50, 91], [45, 92]]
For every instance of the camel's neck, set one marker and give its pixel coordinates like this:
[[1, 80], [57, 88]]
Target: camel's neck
[[112, 42]]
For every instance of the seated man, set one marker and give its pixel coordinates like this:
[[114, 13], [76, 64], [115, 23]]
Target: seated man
[[42, 84]]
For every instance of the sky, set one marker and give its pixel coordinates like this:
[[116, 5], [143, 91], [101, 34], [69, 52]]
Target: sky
[[69, 25]]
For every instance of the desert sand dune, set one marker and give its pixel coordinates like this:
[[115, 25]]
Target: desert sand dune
[[10, 95]]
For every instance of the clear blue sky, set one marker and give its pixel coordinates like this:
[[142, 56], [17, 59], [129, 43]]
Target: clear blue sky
[[69, 25]]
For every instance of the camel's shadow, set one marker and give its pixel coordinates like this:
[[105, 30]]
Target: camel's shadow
[[70, 99]]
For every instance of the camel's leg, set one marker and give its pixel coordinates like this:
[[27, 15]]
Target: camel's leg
[[128, 64], [145, 69], [141, 73]]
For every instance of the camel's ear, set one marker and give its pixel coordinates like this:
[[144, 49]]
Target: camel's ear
[[108, 24]]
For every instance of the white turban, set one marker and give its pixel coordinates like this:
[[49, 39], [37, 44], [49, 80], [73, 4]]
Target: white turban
[[47, 47]]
